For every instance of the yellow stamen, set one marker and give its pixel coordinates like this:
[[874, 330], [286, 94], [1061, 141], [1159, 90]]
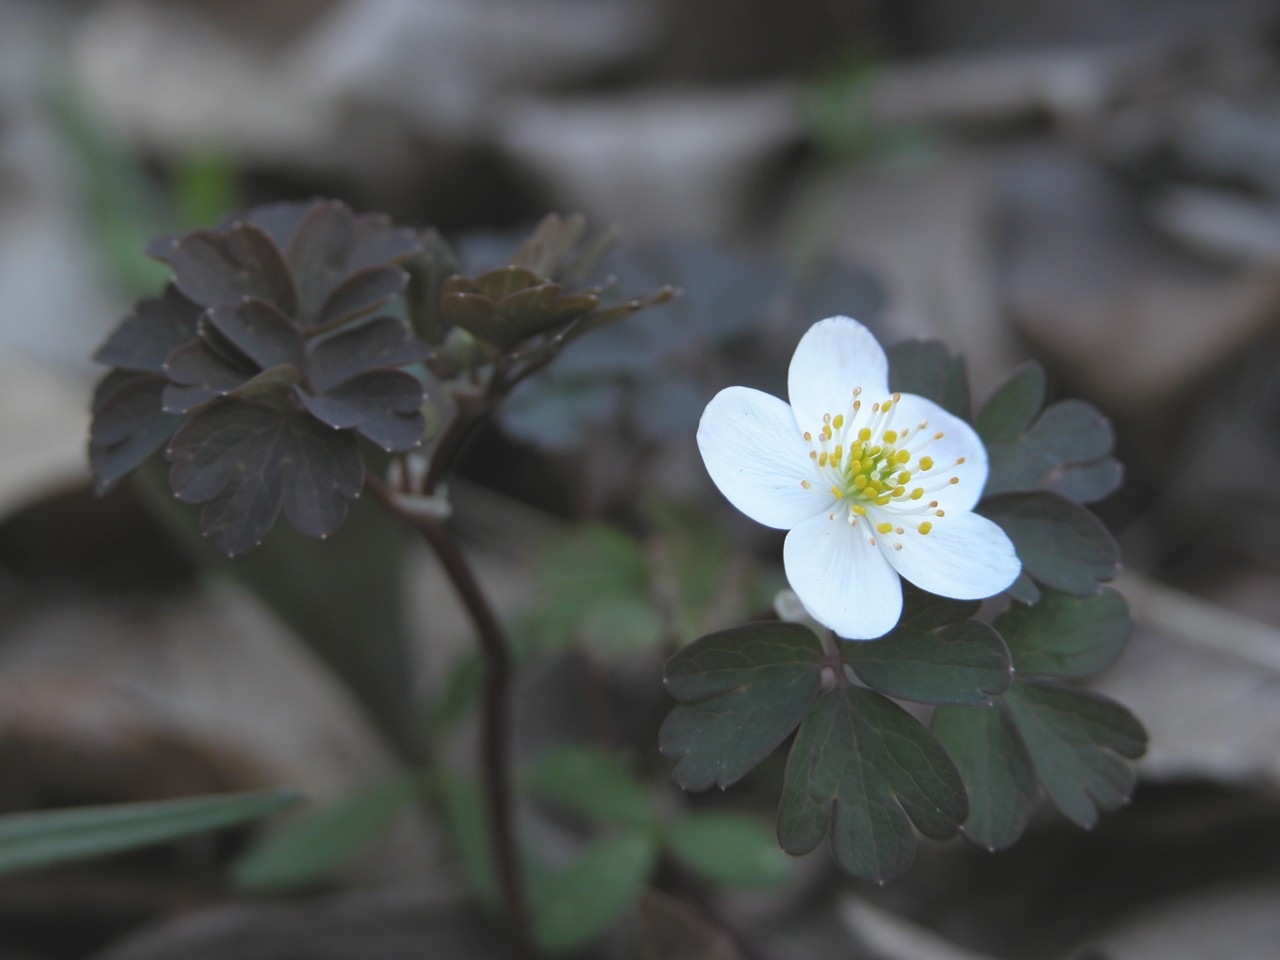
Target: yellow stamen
[[904, 477], [917, 493], [860, 481], [836, 492], [925, 527], [822, 459], [884, 527], [959, 460], [881, 501], [808, 436], [902, 456], [899, 491], [954, 480], [891, 436], [837, 453], [859, 509], [926, 463], [838, 422], [864, 435], [806, 484], [939, 513]]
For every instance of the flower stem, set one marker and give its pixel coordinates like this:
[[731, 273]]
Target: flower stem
[[495, 721]]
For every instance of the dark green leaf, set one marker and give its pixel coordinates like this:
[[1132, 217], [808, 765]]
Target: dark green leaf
[[310, 848], [384, 405], [146, 337], [1076, 740], [473, 313], [1067, 450], [742, 692], [41, 839], [1066, 636], [211, 266], [258, 330], [729, 849], [1013, 406], [383, 342], [958, 663], [997, 773], [867, 768], [928, 369], [1024, 590], [592, 782], [129, 425], [575, 906], [245, 461], [1060, 543]]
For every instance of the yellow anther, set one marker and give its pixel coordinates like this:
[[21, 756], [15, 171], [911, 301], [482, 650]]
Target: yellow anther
[[860, 481], [813, 454], [926, 463], [884, 528], [857, 405], [806, 484], [933, 503], [837, 453], [904, 476], [837, 492], [897, 397], [959, 460], [954, 480], [857, 391], [838, 422], [902, 456], [917, 493], [875, 408], [891, 436], [939, 513], [874, 451], [867, 463], [938, 435], [822, 459], [882, 501], [859, 509], [925, 527], [808, 436], [887, 405], [864, 435], [899, 491]]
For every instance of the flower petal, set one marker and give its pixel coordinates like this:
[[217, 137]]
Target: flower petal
[[964, 556], [958, 440], [833, 357], [754, 452], [843, 581]]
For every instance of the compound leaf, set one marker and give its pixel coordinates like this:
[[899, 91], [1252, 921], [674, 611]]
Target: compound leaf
[[1013, 406], [742, 692], [1067, 450], [156, 327], [384, 405], [867, 768], [129, 425], [211, 266], [245, 461], [729, 849], [1078, 742], [997, 772], [259, 331], [1060, 543], [1066, 636], [928, 369]]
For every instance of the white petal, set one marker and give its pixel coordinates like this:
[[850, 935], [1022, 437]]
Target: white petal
[[843, 581], [754, 452], [958, 440], [833, 357], [964, 556]]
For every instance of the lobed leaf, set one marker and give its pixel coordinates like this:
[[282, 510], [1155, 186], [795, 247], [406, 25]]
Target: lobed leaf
[[1078, 742], [384, 405], [428, 272], [1014, 405], [865, 767], [29, 840], [742, 692], [928, 369], [156, 327], [245, 461], [1060, 543], [129, 425], [211, 266], [962, 662], [259, 331], [1067, 450], [997, 772], [359, 295], [198, 374], [380, 343], [1066, 636]]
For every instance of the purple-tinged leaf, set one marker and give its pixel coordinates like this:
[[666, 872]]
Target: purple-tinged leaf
[[428, 272], [1078, 742], [259, 331], [211, 266], [383, 342], [504, 281], [197, 375], [360, 294], [129, 425], [384, 405], [868, 769], [997, 772], [246, 462], [473, 313], [280, 220], [269, 387], [146, 337], [743, 691]]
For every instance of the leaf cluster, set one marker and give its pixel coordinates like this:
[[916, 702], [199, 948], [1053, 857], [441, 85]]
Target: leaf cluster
[[259, 365], [1005, 725]]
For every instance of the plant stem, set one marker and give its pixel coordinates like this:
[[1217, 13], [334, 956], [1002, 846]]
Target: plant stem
[[495, 722]]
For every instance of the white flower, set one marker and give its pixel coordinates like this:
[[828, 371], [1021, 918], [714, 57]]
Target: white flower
[[871, 485]]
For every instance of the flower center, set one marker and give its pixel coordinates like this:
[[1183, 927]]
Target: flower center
[[879, 471]]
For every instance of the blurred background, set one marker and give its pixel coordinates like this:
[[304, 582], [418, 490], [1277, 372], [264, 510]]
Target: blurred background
[[1093, 185]]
